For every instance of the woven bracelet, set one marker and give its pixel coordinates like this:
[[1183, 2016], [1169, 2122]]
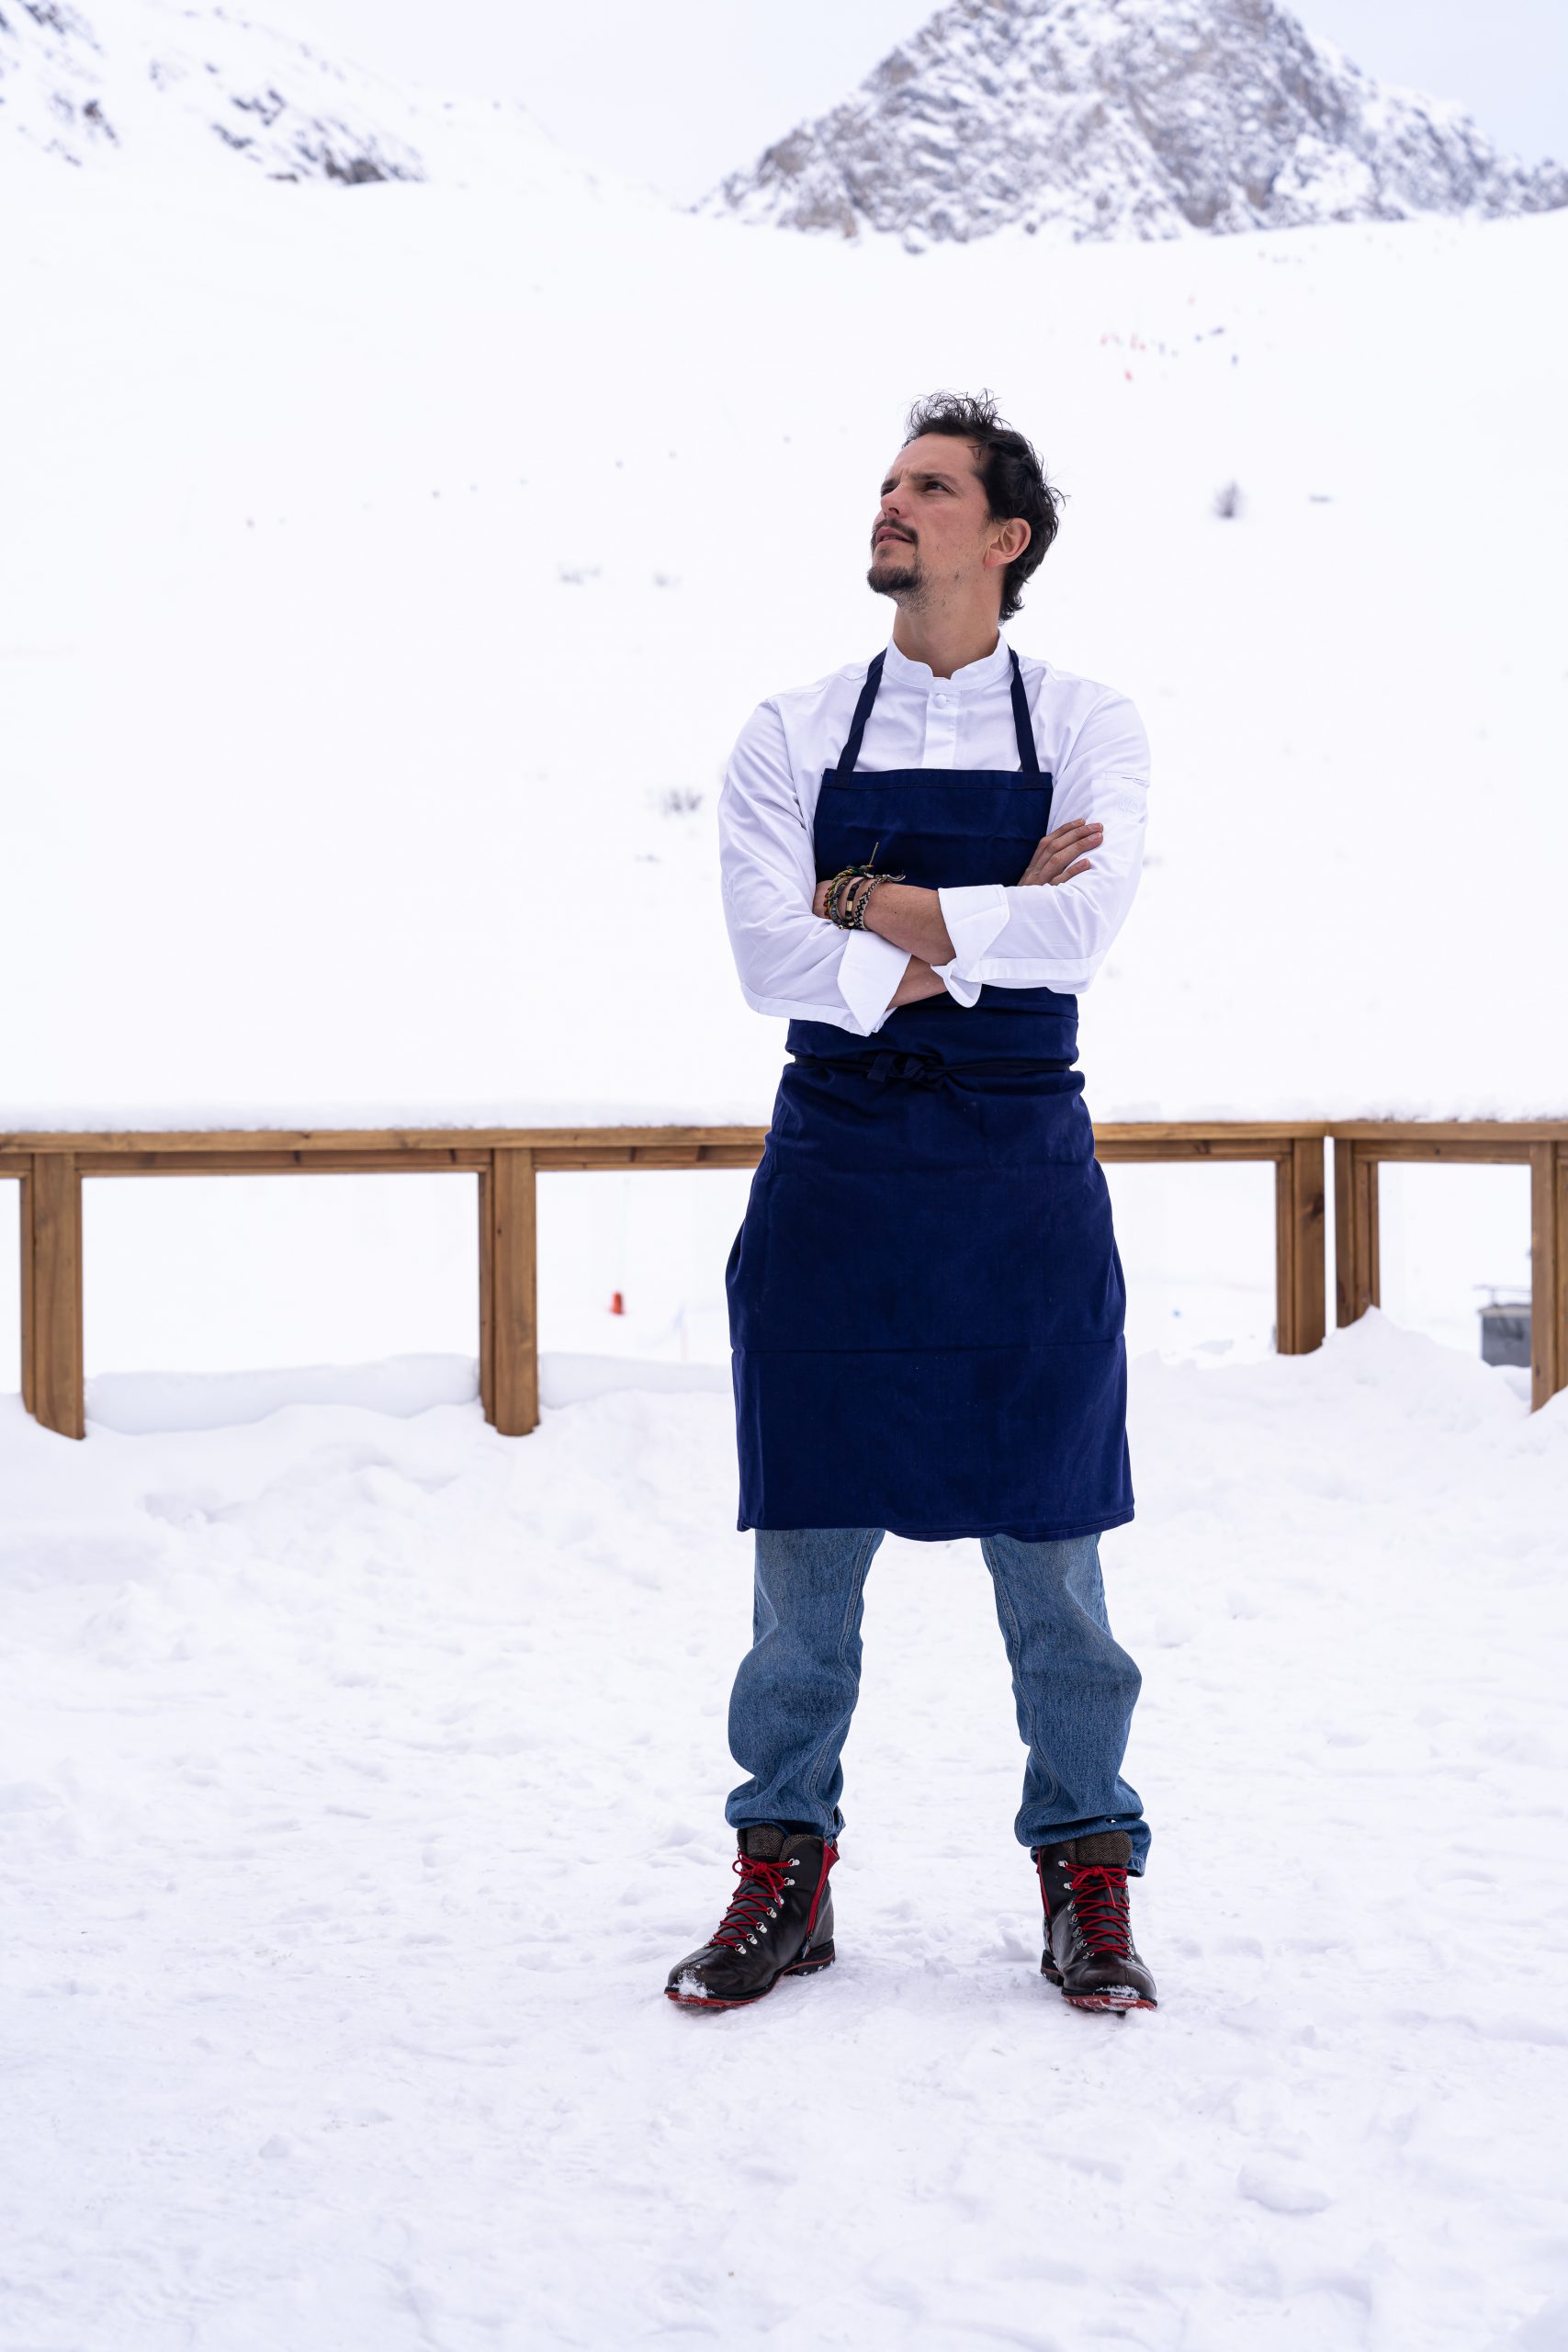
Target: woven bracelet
[[840, 887]]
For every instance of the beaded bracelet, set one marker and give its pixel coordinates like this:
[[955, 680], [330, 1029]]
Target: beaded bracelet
[[845, 904]]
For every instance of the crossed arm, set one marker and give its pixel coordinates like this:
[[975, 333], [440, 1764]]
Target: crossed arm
[[912, 919]]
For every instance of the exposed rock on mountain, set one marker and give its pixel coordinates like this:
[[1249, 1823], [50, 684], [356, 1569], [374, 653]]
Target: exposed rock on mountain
[[1126, 119], [158, 86]]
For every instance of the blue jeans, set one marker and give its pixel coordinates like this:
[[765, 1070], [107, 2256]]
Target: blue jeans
[[796, 1691]]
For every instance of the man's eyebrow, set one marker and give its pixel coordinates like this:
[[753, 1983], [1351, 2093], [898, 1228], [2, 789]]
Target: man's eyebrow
[[921, 473]]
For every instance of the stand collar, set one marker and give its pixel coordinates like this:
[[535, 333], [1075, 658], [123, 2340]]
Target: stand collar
[[991, 670]]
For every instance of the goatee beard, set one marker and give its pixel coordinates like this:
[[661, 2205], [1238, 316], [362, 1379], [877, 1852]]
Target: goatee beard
[[906, 580]]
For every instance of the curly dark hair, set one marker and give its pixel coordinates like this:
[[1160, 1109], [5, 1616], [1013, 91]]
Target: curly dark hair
[[1012, 475]]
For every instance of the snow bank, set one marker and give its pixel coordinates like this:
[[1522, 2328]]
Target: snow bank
[[360, 1777]]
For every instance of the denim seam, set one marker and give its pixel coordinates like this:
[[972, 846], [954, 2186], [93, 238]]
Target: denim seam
[[857, 1586], [1021, 1686]]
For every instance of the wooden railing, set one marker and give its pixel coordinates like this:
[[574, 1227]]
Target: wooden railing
[[1541, 1145], [507, 1162]]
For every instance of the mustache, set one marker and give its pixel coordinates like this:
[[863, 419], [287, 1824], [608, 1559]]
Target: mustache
[[896, 529]]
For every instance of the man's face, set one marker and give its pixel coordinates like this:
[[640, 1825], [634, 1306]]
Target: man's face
[[932, 528]]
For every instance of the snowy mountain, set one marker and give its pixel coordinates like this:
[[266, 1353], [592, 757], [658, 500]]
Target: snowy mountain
[[165, 87], [1098, 118]]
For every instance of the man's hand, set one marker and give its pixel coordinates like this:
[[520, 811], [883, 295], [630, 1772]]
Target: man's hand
[[1053, 862]]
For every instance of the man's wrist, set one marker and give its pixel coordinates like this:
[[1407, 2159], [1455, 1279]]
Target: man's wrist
[[887, 900], [910, 918]]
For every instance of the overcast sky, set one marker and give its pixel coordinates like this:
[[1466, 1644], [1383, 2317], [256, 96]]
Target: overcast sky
[[678, 92]]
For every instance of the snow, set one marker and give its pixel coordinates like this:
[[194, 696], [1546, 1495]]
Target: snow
[[391, 565], [161, 90], [361, 1775], [388, 562], [391, 570]]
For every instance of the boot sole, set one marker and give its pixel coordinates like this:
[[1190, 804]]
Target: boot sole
[[1107, 2003], [801, 1967], [1108, 2000]]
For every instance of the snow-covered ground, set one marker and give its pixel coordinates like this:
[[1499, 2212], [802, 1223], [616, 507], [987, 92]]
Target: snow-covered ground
[[362, 1775], [388, 570]]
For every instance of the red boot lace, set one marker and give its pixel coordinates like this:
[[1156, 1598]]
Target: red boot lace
[[762, 1885], [1100, 1906]]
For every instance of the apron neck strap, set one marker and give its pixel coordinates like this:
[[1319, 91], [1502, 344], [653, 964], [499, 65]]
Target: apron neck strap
[[1028, 757], [851, 751]]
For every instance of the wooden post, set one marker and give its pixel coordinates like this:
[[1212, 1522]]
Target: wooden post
[[486, 1292], [512, 1229], [25, 1225], [1549, 1290], [1344, 1255], [53, 1288], [1355, 1230], [1298, 1246]]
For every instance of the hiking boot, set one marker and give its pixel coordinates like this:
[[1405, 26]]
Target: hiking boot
[[1088, 1926], [780, 1923]]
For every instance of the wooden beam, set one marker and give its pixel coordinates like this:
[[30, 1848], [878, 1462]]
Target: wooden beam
[[513, 1285], [461, 1141], [55, 1315], [1493, 1150], [1549, 1373], [245, 1141], [1110, 1147], [397, 1159], [560, 1157], [1205, 1134], [1299, 1249], [1449, 1130]]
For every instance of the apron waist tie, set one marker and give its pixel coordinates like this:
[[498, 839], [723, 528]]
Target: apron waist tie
[[928, 1070]]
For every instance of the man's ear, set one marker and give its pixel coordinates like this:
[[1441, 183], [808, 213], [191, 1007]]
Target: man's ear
[[1013, 537]]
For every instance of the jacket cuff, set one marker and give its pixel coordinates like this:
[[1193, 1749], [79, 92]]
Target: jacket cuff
[[975, 916], [869, 970]]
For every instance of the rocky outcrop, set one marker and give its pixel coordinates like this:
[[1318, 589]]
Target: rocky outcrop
[[1098, 118]]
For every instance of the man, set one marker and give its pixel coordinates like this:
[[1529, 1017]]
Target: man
[[923, 861]]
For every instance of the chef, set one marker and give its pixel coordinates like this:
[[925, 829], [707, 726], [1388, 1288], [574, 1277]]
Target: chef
[[924, 859]]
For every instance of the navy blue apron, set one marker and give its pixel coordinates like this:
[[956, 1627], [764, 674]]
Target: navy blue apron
[[926, 1297]]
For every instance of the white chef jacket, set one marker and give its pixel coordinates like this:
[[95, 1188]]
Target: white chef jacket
[[792, 964]]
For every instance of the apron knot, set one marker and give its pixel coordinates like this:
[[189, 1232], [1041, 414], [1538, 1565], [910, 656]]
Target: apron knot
[[913, 1070]]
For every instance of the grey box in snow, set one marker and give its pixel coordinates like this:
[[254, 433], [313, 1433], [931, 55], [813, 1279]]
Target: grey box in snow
[[1506, 1331]]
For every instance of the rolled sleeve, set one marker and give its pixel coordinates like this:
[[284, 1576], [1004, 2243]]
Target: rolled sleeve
[[975, 914], [869, 972]]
